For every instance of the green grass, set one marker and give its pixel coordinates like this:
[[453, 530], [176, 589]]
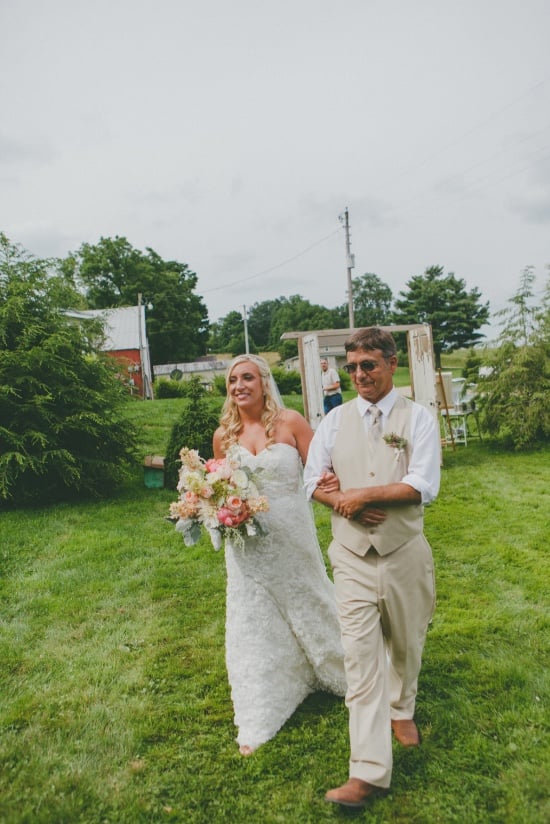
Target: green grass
[[114, 703]]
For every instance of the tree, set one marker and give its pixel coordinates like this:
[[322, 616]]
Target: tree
[[63, 432], [177, 323], [519, 319], [372, 299], [237, 345], [544, 313], [260, 319], [472, 364], [195, 429], [227, 335], [514, 394], [268, 320], [297, 314], [112, 273], [441, 300]]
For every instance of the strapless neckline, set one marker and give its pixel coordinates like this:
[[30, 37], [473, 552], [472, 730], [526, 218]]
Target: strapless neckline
[[265, 449]]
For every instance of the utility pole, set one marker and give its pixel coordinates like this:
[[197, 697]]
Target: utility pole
[[350, 262], [246, 349]]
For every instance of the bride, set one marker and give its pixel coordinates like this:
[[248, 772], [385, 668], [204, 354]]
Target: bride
[[282, 633]]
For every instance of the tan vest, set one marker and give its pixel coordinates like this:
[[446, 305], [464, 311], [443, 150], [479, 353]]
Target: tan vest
[[358, 461]]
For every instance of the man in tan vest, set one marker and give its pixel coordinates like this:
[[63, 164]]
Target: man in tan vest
[[376, 461]]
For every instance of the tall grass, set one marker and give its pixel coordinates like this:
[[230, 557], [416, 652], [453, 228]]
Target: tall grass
[[114, 703]]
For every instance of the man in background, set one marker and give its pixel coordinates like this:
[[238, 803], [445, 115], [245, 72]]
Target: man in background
[[332, 396]]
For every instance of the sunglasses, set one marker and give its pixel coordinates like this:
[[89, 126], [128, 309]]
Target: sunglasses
[[366, 366]]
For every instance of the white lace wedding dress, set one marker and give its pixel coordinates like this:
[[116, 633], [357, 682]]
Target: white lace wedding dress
[[282, 634]]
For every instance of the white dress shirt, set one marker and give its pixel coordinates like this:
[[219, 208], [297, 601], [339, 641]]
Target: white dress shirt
[[330, 378], [424, 469]]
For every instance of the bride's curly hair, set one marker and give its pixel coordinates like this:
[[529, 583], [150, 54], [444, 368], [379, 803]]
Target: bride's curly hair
[[230, 420]]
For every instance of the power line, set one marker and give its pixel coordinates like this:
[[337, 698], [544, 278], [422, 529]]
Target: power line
[[409, 203], [471, 130], [273, 268], [425, 199], [404, 206]]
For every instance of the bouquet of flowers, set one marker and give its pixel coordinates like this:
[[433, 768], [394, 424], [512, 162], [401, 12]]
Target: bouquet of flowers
[[221, 495]]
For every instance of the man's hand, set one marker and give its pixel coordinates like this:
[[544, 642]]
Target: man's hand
[[370, 516], [351, 504]]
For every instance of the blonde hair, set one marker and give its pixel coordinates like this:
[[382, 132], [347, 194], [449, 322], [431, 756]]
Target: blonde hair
[[230, 420]]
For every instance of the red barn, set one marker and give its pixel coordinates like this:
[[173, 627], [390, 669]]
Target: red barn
[[126, 340]]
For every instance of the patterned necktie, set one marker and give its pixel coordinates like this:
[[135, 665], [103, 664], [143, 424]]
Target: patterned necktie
[[375, 427]]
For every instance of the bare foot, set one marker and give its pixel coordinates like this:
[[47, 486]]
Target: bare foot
[[244, 749]]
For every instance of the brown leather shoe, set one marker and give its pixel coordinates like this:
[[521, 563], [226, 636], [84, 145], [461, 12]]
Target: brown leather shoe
[[354, 793], [406, 732]]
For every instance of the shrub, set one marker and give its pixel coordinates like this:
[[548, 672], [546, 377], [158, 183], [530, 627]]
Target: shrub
[[472, 364], [345, 380], [514, 397], [288, 382], [219, 385], [194, 429], [514, 393], [169, 389], [176, 389]]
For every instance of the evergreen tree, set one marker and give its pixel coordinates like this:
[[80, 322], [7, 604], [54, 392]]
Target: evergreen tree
[[455, 314], [63, 433], [194, 429]]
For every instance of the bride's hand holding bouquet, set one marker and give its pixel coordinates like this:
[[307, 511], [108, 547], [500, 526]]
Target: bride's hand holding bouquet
[[218, 494]]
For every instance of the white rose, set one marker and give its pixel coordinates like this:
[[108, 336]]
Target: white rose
[[240, 478]]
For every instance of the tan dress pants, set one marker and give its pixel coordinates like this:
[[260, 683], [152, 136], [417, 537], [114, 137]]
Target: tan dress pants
[[384, 607]]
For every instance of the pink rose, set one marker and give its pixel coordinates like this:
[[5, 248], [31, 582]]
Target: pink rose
[[213, 464], [231, 519], [224, 516]]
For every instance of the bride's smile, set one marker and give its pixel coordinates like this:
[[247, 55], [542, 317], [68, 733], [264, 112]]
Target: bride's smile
[[245, 384]]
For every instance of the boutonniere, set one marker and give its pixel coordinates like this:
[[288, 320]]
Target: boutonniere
[[396, 442]]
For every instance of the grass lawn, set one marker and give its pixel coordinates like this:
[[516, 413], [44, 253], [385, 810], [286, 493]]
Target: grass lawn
[[114, 703]]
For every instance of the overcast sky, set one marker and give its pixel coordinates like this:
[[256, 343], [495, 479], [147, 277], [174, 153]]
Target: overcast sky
[[231, 134]]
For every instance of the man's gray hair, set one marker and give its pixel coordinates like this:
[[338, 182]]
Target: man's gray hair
[[369, 338]]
